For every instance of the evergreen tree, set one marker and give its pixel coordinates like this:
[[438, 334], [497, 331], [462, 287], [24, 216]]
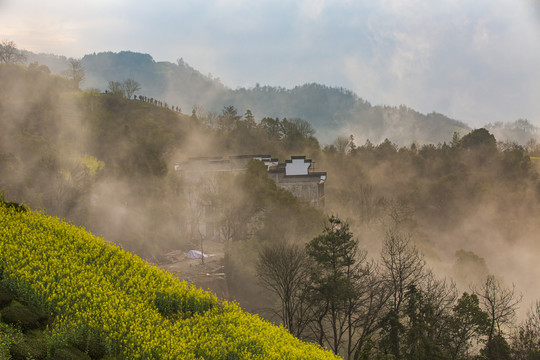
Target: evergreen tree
[[334, 276]]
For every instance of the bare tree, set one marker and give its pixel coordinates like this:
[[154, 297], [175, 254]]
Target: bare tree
[[442, 294], [526, 340], [130, 86], [533, 320], [342, 144], [9, 54], [438, 297], [371, 300], [398, 215], [196, 221], [404, 269], [404, 266], [283, 269], [500, 303], [233, 211], [75, 72], [204, 207], [116, 88], [370, 205], [233, 219]]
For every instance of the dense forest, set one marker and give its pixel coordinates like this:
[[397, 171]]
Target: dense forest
[[430, 239]]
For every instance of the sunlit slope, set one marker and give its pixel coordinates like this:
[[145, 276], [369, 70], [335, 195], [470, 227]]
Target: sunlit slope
[[138, 311]]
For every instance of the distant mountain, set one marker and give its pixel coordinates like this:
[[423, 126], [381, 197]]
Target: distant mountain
[[331, 111], [56, 63]]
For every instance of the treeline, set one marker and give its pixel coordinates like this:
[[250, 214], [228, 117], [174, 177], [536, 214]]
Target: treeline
[[440, 184], [330, 110], [237, 133], [428, 189], [394, 307]]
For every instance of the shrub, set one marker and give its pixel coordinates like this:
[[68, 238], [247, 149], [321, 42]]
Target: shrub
[[6, 296], [8, 336], [29, 348], [70, 353], [94, 347], [27, 317]]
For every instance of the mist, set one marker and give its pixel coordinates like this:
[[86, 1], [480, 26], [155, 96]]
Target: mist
[[469, 204], [470, 214]]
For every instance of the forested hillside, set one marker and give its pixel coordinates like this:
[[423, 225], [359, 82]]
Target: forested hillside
[[331, 111], [469, 205]]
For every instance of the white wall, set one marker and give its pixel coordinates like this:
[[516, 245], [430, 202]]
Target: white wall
[[297, 167]]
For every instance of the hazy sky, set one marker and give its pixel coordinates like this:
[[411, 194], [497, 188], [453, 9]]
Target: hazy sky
[[475, 60]]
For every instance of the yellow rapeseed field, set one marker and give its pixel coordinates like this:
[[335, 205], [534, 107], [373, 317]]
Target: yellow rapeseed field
[[139, 311]]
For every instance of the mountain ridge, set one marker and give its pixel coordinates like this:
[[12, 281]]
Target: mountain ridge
[[332, 111]]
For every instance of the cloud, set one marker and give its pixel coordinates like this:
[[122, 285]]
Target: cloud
[[312, 9], [470, 64], [472, 60]]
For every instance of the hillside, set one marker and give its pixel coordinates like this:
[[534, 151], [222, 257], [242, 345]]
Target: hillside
[[106, 163], [102, 161], [331, 111], [99, 291]]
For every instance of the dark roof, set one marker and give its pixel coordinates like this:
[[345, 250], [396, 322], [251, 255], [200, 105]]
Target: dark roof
[[303, 157], [249, 156], [208, 158]]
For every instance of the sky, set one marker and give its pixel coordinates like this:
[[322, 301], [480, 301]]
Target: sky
[[477, 61]]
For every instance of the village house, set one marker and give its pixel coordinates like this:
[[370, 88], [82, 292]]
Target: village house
[[295, 175], [201, 177]]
